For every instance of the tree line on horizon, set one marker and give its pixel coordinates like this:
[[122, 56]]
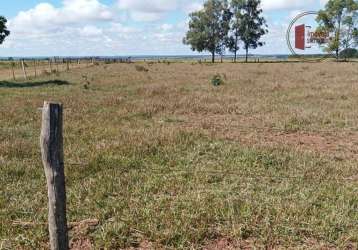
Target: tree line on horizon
[[222, 25]]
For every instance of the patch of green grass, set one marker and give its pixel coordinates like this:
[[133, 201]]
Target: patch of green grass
[[191, 193], [295, 124]]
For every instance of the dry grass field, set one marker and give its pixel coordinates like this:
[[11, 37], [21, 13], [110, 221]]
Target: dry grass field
[[165, 160]]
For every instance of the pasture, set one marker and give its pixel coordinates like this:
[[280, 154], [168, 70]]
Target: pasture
[[160, 158]]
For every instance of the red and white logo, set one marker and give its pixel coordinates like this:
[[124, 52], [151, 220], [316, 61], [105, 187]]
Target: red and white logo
[[305, 39]]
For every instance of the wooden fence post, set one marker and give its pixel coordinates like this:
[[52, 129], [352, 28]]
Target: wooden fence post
[[13, 70], [55, 61], [50, 63], [23, 69], [35, 68], [51, 142]]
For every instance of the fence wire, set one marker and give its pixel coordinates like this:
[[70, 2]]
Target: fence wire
[[241, 128], [236, 174]]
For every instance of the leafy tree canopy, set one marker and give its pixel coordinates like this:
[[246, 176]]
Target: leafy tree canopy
[[3, 29], [340, 18], [349, 53], [249, 24], [208, 27]]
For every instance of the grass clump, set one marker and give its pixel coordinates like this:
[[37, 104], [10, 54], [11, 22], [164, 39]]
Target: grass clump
[[141, 68], [217, 80]]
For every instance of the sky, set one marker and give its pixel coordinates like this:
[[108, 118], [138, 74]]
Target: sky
[[123, 27]]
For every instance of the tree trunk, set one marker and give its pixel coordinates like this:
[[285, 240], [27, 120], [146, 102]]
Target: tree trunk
[[213, 57], [236, 47], [338, 36], [247, 54]]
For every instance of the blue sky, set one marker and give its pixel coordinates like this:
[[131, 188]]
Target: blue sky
[[122, 27]]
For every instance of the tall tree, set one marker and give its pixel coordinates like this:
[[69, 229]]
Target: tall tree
[[339, 17], [234, 37], [251, 26], [225, 28], [3, 29], [208, 28]]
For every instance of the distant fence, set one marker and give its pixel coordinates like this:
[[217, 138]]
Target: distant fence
[[20, 69]]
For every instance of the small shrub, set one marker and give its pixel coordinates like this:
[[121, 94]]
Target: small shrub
[[86, 83], [217, 80], [141, 68]]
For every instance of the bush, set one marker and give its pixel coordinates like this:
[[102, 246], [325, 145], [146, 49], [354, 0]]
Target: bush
[[217, 80], [349, 53], [141, 68]]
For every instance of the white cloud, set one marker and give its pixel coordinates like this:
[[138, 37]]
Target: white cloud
[[192, 6], [77, 27], [45, 16], [140, 16], [272, 5], [120, 28], [86, 10], [91, 31], [166, 27], [323, 2], [155, 6], [143, 11]]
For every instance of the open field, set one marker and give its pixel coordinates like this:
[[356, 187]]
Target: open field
[[164, 160]]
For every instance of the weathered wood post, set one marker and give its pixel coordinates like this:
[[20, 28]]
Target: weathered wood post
[[35, 68], [50, 63], [23, 69], [56, 63], [13, 70], [51, 142]]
